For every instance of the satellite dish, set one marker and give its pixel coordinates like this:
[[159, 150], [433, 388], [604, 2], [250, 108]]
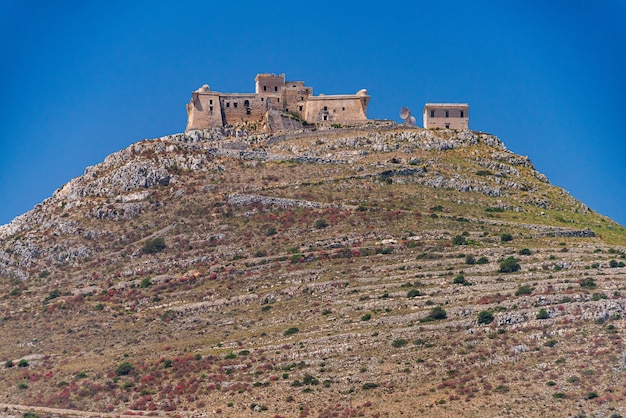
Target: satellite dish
[[404, 112], [405, 115]]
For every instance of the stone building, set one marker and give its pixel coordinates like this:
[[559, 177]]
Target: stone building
[[272, 95], [446, 116]]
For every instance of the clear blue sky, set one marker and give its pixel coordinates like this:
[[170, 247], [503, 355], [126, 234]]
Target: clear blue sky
[[82, 79]]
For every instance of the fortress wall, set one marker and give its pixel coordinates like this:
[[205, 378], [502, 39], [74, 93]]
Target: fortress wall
[[204, 111], [334, 109], [238, 108], [294, 99]]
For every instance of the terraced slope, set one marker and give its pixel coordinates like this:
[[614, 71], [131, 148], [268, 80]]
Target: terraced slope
[[379, 271]]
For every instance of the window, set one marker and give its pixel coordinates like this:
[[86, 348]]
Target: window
[[300, 108], [278, 99], [264, 88], [235, 105], [462, 114], [325, 117], [325, 108], [211, 101], [447, 126], [275, 88], [211, 109], [262, 99], [343, 108], [227, 104], [246, 103], [447, 113], [432, 113]]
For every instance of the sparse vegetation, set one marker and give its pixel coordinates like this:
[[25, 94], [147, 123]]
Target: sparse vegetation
[[208, 325], [509, 265], [485, 317], [155, 245]]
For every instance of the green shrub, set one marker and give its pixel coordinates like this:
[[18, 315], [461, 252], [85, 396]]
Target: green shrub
[[366, 317], [558, 395], [460, 279], [485, 317], [145, 282], [8, 364], [124, 369], [155, 245], [413, 293], [291, 331], [524, 251], [482, 260], [399, 342], [592, 395], [321, 223], [542, 314], [22, 363], [598, 296], [459, 240], [369, 385], [230, 356], [509, 265], [23, 386], [469, 259], [523, 290], [506, 237], [30, 415], [436, 314], [588, 283]]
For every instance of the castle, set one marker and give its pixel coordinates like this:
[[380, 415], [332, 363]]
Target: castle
[[273, 96]]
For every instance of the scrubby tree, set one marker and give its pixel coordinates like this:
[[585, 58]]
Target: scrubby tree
[[485, 317], [155, 245], [509, 265]]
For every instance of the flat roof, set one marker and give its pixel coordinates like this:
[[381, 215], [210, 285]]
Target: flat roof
[[445, 104]]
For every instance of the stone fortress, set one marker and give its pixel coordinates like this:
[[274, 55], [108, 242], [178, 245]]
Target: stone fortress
[[273, 96], [278, 104]]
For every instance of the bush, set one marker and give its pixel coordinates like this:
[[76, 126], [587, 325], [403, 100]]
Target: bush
[[523, 290], [413, 293], [369, 385], [592, 395], [588, 283], [321, 223], [366, 317], [506, 237], [22, 363], [145, 282], [291, 331], [436, 314], [470, 260], [509, 265], [482, 260], [558, 395], [524, 251], [399, 342], [8, 364], [485, 317], [460, 279], [459, 240], [542, 314], [124, 369], [153, 246]]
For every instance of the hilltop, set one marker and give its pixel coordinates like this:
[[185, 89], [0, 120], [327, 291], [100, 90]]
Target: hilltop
[[371, 271]]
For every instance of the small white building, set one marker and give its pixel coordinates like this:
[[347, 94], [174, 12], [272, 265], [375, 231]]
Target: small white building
[[446, 116]]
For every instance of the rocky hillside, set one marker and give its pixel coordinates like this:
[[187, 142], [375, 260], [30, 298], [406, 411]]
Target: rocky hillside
[[374, 271]]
